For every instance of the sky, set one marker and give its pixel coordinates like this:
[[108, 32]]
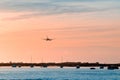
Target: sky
[[83, 31]]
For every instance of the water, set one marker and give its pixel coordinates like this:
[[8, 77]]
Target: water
[[58, 74]]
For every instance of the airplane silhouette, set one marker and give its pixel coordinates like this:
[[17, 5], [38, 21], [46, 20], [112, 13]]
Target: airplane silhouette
[[48, 39]]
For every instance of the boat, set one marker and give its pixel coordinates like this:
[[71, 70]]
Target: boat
[[77, 66], [31, 66], [13, 65], [112, 67], [19, 66], [92, 68], [101, 67], [61, 66]]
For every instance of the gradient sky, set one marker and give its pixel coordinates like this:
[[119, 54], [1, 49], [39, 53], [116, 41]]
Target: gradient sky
[[83, 30]]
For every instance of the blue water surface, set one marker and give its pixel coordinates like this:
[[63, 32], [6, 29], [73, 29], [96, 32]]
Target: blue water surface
[[58, 74]]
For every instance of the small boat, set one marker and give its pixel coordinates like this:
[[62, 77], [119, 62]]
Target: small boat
[[31, 66], [77, 66], [61, 66], [45, 66], [92, 68], [112, 67], [19, 66], [13, 65], [101, 67]]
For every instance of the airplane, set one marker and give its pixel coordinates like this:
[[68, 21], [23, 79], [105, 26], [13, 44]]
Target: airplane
[[48, 39]]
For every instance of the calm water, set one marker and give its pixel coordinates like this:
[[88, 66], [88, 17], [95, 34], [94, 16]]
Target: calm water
[[58, 74]]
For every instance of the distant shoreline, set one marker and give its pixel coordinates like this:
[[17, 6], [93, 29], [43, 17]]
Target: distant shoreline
[[65, 64]]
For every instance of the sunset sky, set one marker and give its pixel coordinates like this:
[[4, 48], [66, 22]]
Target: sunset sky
[[83, 30]]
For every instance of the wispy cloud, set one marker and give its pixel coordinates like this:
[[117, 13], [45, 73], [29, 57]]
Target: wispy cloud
[[51, 7]]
